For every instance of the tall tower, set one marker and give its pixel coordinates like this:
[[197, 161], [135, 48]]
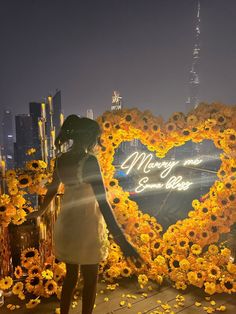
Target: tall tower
[[35, 113], [194, 81], [7, 138], [24, 139], [116, 101]]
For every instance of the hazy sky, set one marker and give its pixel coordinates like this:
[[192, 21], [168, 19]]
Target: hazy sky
[[142, 48]]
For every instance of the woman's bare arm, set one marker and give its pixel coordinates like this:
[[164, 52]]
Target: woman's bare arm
[[92, 174]]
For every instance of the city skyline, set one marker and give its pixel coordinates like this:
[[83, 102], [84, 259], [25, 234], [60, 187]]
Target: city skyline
[[88, 50]]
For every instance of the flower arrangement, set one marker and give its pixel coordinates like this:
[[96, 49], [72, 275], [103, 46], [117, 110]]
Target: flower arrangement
[[188, 253]]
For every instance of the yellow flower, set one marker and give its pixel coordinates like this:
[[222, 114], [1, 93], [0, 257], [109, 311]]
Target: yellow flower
[[4, 199], [18, 288], [21, 296], [184, 264], [18, 200], [221, 308], [24, 180], [32, 303], [50, 287], [160, 260], [31, 151], [47, 274], [210, 287], [6, 283], [18, 272], [30, 254], [126, 271], [180, 285], [145, 238], [142, 280], [33, 284], [231, 268], [213, 249], [196, 249], [34, 270]]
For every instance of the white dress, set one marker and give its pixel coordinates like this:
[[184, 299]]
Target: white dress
[[80, 233]]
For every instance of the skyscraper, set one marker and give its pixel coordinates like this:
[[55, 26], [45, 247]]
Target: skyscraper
[[194, 81], [35, 113], [56, 104], [24, 139], [7, 139]]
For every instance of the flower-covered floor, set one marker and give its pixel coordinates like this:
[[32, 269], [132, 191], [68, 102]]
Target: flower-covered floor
[[127, 297]]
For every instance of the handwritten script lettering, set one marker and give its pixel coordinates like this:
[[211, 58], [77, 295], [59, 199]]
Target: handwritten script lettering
[[140, 161]]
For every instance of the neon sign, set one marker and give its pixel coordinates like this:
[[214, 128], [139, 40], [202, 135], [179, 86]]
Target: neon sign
[[145, 162]]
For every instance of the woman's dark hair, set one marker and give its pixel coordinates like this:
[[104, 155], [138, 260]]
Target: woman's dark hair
[[83, 131]]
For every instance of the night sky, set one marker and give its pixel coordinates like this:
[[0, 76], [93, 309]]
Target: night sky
[[142, 48]]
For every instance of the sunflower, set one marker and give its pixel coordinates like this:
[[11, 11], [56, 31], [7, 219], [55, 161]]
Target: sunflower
[[34, 270], [107, 276], [192, 120], [201, 263], [168, 251], [19, 217], [34, 284], [192, 277], [11, 173], [30, 254], [231, 268], [33, 165], [180, 285], [183, 243], [196, 249], [184, 264], [142, 280], [32, 303], [6, 283], [58, 273], [18, 272], [157, 246], [228, 285], [160, 260], [191, 233], [3, 209], [4, 199], [213, 272], [13, 190], [170, 127], [175, 260], [18, 288], [213, 249], [114, 271], [47, 274], [126, 271], [210, 287], [18, 200], [50, 287], [24, 180]]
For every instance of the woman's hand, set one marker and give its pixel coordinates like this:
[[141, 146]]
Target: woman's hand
[[127, 249]]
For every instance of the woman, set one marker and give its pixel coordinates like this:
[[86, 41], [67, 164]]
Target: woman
[[80, 230]]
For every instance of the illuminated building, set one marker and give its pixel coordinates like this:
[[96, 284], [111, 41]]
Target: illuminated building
[[24, 139], [35, 113], [194, 81], [116, 101], [7, 138]]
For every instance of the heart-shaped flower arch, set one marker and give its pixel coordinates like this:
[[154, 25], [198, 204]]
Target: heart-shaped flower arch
[[186, 252]]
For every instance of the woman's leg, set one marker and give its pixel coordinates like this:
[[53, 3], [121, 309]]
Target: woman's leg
[[68, 287], [90, 276]]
